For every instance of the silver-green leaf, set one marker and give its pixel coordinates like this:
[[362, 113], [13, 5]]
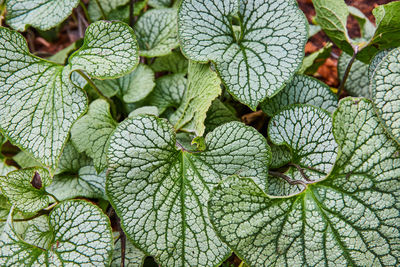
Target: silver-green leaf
[[307, 132], [159, 190], [348, 219], [256, 46], [385, 87], [41, 14], [302, 90], [92, 132], [109, 50], [157, 32], [81, 236]]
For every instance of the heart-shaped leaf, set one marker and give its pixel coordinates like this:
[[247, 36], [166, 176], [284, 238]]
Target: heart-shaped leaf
[[39, 102], [256, 46], [302, 90], [159, 190], [92, 132], [385, 86], [26, 188], [41, 14], [348, 219], [81, 236], [307, 132], [157, 32]]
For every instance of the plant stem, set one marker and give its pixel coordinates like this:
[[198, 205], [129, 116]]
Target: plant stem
[[85, 12], [347, 72], [123, 246], [301, 170], [287, 178], [103, 14]]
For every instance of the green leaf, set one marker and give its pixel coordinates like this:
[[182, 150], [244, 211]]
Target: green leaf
[[92, 132], [218, 114], [367, 28], [85, 183], [174, 62], [202, 88], [39, 102], [332, 17], [157, 33], [160, 3], [41, 14], [24, 160], [307, 132], [385, 87], [168, 92], [312, 62], [130, 88], [268, 52], [302, 90], [109, 50], [159, 191], [81, 237], [357, 83], [348, 219], [133, 256], [25, 188], [388, 24], [107, 6]]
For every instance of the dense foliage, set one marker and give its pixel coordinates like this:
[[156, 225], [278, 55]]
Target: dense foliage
[[129, 142]]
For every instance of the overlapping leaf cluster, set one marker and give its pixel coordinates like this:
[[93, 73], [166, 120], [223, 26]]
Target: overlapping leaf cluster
[[137, 127]]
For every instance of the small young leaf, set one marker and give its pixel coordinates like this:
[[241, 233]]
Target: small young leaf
[[348, 219], [157, 33], [109, 50], [168, 92], [92, 132], [269, 50], [130, 88], [302, 90], [159, 192], [174, 62], [25, 188], [41, 14], [357, 83], [307, 131], [202, 88], [81, 236], [71, 160], [385, 86]]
